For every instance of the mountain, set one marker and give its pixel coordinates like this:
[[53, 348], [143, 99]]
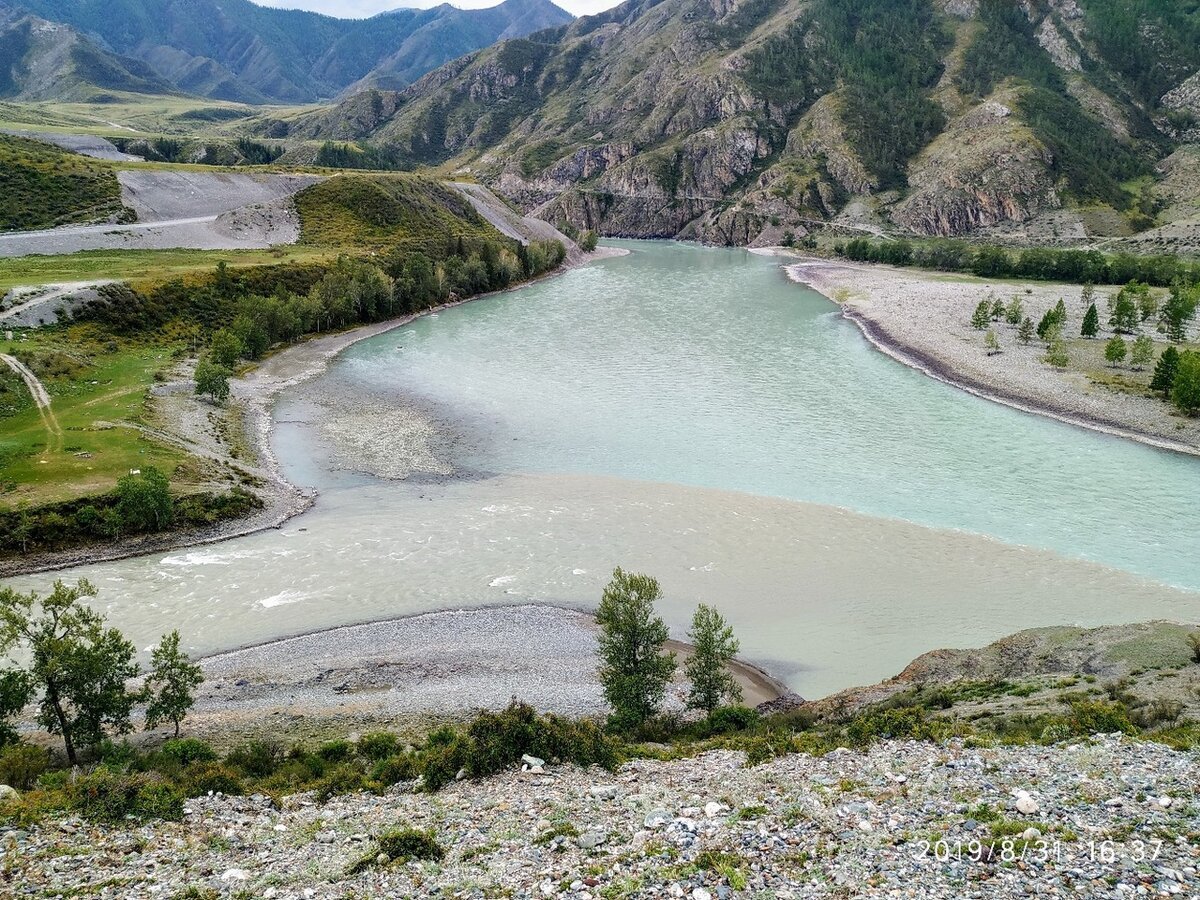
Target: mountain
[[236, 50], [739, 122], [42, 60]]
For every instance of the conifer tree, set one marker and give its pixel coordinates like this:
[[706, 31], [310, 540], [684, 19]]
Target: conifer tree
[[1091, 322], [1163, 378], [1025, 332], [982, 315]]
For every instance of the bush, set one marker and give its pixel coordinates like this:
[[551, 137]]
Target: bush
[[902, 723], [378, 745], [727, 719], [22, 764], [203, 777], [498, 740], [394, 769], [111, 797], [335, 751], [256, 758], [1098, 717], [402, 844], [187, 750], [344, 779]]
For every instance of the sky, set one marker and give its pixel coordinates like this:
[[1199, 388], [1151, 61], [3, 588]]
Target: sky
[[360, 9]]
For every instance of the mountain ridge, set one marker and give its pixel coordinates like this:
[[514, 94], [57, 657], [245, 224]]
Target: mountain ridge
[[236, 50], [737, 122]]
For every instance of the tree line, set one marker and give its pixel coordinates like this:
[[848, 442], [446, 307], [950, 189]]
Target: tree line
[[1035, 263]]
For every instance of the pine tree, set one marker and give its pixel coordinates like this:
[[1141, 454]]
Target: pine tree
[[1125, 316], [991, 343], [1015, 311], [1114, 350], [169, 685], [1025, 332], [1088, 295], [1091, 322], [1163, 378], [997, 310], [714, 646], [982, 315]]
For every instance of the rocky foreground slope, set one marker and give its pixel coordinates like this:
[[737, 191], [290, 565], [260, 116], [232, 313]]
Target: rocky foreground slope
[[1102, 818]]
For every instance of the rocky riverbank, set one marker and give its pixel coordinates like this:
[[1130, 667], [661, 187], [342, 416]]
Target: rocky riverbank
[[1107, 817], [923, 319]]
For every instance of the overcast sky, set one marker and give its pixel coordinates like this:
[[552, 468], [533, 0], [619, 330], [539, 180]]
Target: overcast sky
[[358, 9]]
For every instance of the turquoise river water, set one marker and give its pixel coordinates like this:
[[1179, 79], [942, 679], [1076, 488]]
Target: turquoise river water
[[691, 413]]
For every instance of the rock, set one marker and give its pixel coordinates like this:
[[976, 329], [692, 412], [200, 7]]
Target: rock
[[604, 791], [7, 792], [1030, 834], [590, 840], [235, 875], [1163, 801], [1026, 805], [460, 774], [712, 809], [382, 859], [701, 894], [533, 762], [658, 818]]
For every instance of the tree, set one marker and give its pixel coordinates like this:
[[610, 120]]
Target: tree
[[1056, 354], [16, 690], [1185, 391], [1141, 352], [1025, 332], [1087, 296], [169, 685], [1015, 311], [991, 343], [635, 672], [1163, 378], [981, 316], [144, 500], [225, 348], [1178, 311], [998, 310], [1114, 350], [715, 646], [588, 241], [212, 379], [1054, 317], [1125, 314], [1091, 322], [79, 667]]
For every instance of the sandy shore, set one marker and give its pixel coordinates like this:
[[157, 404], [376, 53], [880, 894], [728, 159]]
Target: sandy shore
[[186, 423], [922, 319], [406, 672]]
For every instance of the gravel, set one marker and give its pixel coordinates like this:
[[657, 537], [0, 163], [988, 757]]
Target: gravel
[[901, 819], [923, 320]]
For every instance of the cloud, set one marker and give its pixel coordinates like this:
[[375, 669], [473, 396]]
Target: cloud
[[361, 9]]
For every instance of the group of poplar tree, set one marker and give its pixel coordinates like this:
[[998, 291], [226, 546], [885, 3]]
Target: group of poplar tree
[[79, 671], [635, 670]]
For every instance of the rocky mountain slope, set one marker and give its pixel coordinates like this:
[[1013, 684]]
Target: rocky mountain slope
[[42, 60], [237, 50], [742, 122]]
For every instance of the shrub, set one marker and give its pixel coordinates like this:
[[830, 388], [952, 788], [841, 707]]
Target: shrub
[[402, 844], [256, 758], [187, 750], [106, 796], [902, 723], [22, 764], [1194, 644], [728, 719], [344, 779], [498, 740], [378, 745], [335, 751], [203, 777], [1098, 717], [394, 769]]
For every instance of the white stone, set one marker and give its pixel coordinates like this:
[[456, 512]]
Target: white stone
[[532, 761], [701, 894], [1165, 801], [712, 809], [8, 792], [235, 875], [604, 791], [1026, 805]]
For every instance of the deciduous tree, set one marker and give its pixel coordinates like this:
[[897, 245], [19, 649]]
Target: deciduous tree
[[1142, 352], [1114, 350], [169, 685], [635, 672], [708, 668]]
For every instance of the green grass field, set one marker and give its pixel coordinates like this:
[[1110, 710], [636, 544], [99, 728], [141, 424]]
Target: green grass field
[[89, 384], [42, 186]]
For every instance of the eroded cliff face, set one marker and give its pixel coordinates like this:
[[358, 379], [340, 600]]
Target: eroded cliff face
[[719, 120], [984, 170]]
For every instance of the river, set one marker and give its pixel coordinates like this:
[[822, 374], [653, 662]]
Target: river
[[690, 413]]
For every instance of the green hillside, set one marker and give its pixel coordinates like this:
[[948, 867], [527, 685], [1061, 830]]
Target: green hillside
[[42, 186]]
